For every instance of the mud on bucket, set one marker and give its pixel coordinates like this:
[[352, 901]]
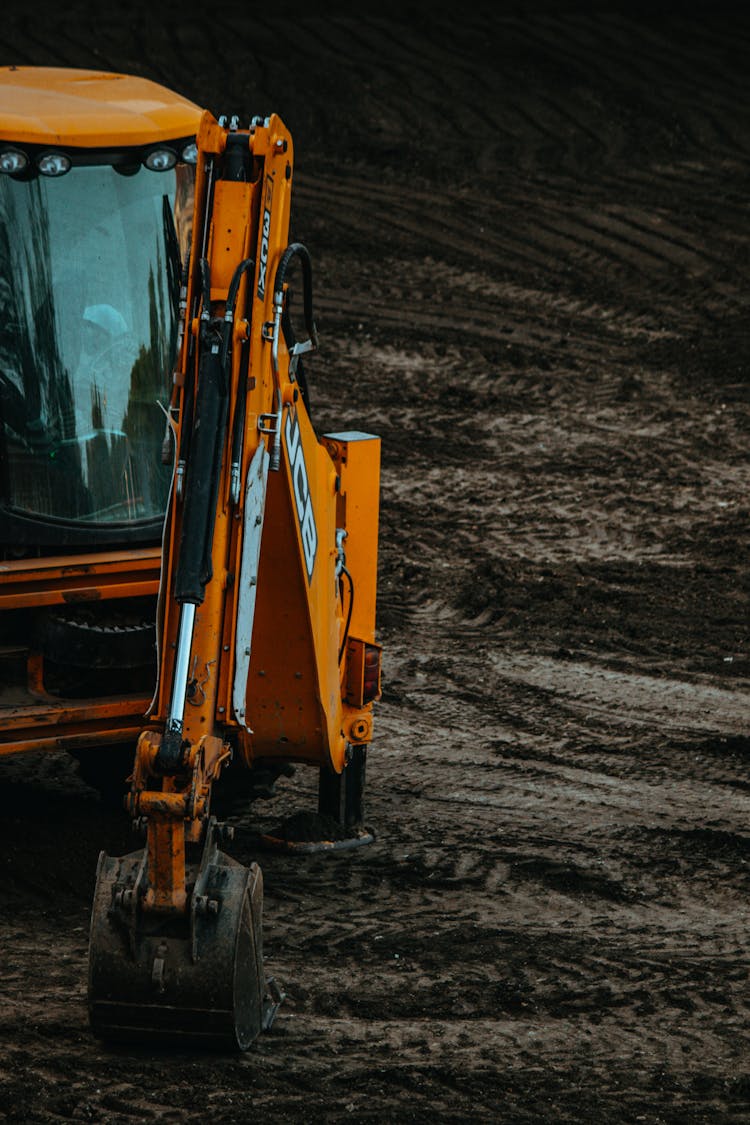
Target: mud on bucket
[[195, 979]]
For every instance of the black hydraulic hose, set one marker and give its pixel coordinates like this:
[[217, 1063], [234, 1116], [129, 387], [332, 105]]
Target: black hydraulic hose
[[234, 286], [202, 479], [299, 250], [349, 612], [207, 441], [206, 448], [240, 409], [205, 271], [187, 423], [186, 420]]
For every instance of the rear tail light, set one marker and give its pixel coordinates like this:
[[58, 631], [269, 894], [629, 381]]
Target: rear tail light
[[372, 674], [363, 666]]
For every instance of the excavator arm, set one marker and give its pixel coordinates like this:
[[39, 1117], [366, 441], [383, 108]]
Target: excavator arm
[[266, 642]]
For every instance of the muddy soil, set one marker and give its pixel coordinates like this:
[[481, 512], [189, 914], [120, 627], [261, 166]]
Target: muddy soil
[[531, 240]]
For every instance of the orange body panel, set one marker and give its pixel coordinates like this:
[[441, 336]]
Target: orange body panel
[[49, 725], [87, 108], [79, 578], [293, 697], [30, 718], [356, 457]]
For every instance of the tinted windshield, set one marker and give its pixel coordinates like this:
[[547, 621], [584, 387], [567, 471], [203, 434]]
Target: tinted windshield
[[89, 276]]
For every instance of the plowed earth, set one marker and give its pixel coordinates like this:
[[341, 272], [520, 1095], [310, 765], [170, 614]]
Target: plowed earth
[[531, 243]]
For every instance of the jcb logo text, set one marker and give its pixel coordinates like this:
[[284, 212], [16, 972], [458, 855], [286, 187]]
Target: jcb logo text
[[301, 488], [264, 254]]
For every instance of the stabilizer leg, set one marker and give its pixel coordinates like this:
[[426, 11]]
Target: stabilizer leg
[[341, 795], [338, 825]]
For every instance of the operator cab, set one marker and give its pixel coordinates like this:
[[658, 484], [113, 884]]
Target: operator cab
[[96, 199]]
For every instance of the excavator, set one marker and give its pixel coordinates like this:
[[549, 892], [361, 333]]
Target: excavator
[[187, 567]]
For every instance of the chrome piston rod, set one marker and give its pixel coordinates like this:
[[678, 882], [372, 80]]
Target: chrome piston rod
[[181, 667]]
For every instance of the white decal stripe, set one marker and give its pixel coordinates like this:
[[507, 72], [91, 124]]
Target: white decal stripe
[[255, 506]]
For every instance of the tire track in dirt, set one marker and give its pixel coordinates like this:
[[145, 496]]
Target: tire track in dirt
[[540, 223], [446, 219]]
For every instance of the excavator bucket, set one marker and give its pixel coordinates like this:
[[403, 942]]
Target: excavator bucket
[[198, 981]]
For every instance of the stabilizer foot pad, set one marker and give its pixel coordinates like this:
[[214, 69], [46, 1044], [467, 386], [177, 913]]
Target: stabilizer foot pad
[[306, 833]]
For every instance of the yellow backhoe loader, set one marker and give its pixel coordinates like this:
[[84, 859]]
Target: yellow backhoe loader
[[187, 568]]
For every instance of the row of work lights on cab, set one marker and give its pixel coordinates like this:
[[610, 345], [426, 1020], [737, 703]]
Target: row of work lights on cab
[[54, 162]]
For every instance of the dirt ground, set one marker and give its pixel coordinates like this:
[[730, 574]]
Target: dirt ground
[[531, 239]]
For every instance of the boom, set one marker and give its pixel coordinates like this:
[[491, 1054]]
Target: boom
[[266, 622]]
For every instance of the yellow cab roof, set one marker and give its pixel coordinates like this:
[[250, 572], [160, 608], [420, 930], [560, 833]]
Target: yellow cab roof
[[89, 108]]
